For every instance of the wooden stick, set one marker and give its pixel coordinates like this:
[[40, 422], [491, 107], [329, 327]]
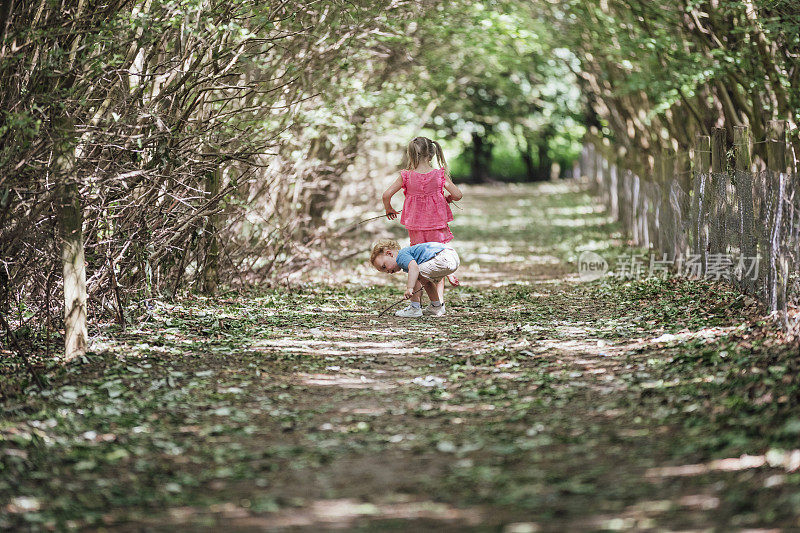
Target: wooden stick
[[374, 218], [398, 303], [344, 230], [381, 216]]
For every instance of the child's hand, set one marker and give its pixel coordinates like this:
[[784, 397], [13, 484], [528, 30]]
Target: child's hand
[[449, 199], [392, 214], [409, 293]]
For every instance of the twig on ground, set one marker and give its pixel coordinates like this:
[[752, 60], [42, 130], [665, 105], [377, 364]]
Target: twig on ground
[[398, 303]]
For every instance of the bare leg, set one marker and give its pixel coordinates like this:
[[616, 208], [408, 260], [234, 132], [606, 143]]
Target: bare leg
[[417, 295], [430, 289], [440, 290]]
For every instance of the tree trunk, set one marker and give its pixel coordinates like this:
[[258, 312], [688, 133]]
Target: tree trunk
[[73, 262], [545, 163], [323, 194], [481, 157], [527, 159], [211, 267]]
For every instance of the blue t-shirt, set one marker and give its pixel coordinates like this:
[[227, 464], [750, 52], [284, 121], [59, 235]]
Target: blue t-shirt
[[419, 253]]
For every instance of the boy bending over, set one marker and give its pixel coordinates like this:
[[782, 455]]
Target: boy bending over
[[427, 265]]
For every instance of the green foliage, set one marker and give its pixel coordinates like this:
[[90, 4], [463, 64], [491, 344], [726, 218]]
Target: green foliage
[[506, 162], [658, 75], [489, 68]]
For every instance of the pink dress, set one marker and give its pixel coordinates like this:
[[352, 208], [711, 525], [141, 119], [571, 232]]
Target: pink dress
[[425, 211]]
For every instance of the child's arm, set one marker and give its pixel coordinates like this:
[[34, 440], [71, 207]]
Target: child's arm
[[387, 197], [413, 276], [455, 192]]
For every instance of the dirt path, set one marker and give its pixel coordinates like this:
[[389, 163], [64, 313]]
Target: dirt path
[[539, 403]]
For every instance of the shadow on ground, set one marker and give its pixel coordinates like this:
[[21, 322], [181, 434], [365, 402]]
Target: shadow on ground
[[539, 403]]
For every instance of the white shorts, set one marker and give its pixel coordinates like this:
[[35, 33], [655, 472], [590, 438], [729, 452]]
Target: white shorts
[[442, 264]]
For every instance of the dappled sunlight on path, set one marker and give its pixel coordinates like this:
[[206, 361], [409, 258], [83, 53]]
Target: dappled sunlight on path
[[564, 371], [528, 359], [503, 234], [539, 402]]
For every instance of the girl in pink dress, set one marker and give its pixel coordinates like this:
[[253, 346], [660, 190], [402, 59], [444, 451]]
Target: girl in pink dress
[[425, 212]]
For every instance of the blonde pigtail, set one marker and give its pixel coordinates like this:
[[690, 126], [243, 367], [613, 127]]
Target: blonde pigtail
[[412, 154], [440, 160]]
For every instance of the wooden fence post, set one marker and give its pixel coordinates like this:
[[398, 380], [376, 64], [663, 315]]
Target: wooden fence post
[[608, 193], [776, 145], [718, 150], [744, 191], [778, 270], [598, 165], [640, 213], [683, 182], [702, 164], [718, 192], [614, 186], [623, 191], [655, 228], [667, 229]]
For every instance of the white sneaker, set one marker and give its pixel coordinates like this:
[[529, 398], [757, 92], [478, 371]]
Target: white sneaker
[[434, 311], [409, 311]]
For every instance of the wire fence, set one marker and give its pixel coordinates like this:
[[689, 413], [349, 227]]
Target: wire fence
[[739, 226]]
